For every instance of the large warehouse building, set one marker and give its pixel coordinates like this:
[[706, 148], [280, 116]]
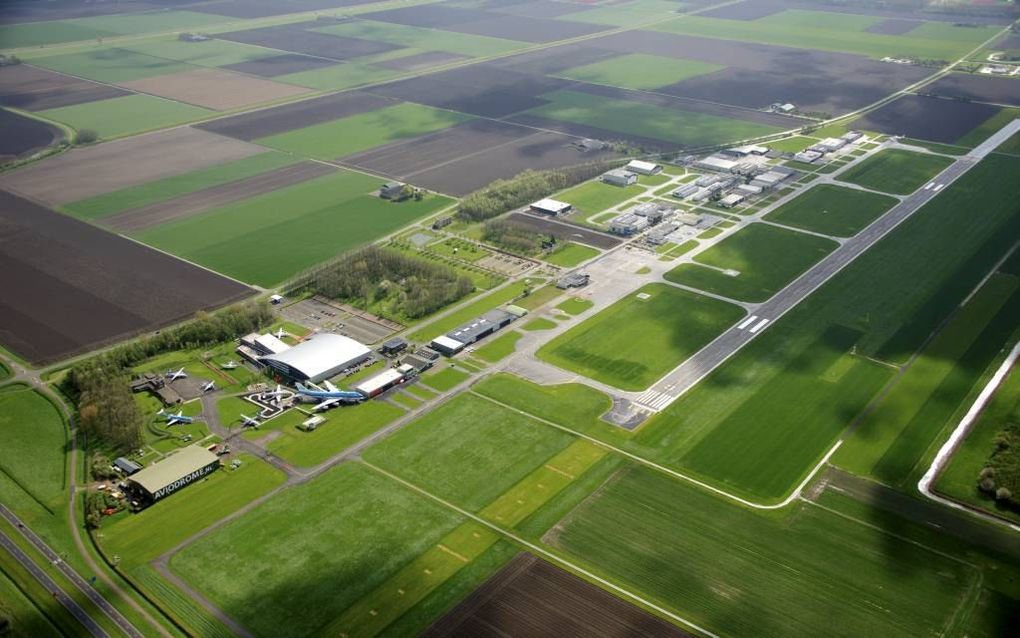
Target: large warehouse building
[[163, 478], [319, 357]]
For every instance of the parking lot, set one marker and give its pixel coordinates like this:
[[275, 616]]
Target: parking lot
[[321, 315]]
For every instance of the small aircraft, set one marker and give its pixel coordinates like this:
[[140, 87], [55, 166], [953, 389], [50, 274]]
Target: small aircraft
[[249, 422], [174, 419], [209, 387], [280, 333], [173, 376], [229, 365], [331, 396]]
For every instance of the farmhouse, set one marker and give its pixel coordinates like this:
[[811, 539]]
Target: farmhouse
[[453, 342], [619, 177], [165, 477], [319, 357], [550, 207], [644, 168]]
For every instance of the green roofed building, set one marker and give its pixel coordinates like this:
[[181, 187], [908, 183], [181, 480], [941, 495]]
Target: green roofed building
[[165, 477]]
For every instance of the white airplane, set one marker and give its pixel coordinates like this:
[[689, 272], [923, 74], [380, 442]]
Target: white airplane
[[209, 387], [249, 422], [229, 365], [173, 376], [174, 419], [280, 333], [331, 396]]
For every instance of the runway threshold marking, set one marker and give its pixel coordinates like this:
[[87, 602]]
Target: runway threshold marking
[[929, 185], [758, 326], [939, 187], [746, 322]]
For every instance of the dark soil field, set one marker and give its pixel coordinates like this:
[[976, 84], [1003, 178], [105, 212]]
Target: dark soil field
[[279, 65], [266, 8], [23, 136], [556, 59], [584, 130], [746, 10], [296, 38], [210, 198], [488, 23], [480, 89], [980, 88], [288, 117], [566, 232], [541, 9], [70, 287], [421, 61], [894, 26], [34, 89], [530, 597], [17, 11], [927, 118]]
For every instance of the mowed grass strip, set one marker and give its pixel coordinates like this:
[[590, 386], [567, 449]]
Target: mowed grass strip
[[669, 125], [788, 574], [452, 450], [161, 190], [763, 260], [266, 239], [639, 71], [34, 443], [896, 171], [498, 348], [832, 210], [349, 135], [319, 547], [594, 197], [641, 337], [124, 115]]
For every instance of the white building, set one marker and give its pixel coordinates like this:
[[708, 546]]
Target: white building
[[319, 357], [716, 163], [550, 207], [619, 177], [643, 168], [731, 200]]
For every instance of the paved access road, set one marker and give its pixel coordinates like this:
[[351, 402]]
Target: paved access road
[[71, 575]]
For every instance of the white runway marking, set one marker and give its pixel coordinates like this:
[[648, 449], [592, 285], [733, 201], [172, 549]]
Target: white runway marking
[[929, 185], [654, 399], [939, 187], [746, 322], [759, 326]]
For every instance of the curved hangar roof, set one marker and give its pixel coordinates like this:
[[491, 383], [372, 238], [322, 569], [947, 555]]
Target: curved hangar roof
[[318, 357]]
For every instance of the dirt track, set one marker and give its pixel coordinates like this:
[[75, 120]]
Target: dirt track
[[33, 89], [70, 287]]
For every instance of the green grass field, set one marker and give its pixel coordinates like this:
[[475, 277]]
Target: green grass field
[[634, 342], [538, 324], [896, 171], [760, 421], [211, 53], [339, 76], [669, 125], [452, 450], [829, 31], [497, 348], [56, 31], [124, 115], [445, 378], [424, 38], [639, 71], [626, 14], [794, 144], [832, 210], [766, 257], [34, 443], [344, 427], [574, 305], [112, 65], [592, 198], [349, 135], [168, 188], [788, 574], [293, 228], [318, 547], [479, 306], [570, 254]]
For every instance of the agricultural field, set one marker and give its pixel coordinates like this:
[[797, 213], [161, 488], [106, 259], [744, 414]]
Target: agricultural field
[[90, 28], [33, 457], [934, 119], [637, 340], [639, 71], [753, 264], [832, 210], [26, 137], [125, 115], [896, 171]]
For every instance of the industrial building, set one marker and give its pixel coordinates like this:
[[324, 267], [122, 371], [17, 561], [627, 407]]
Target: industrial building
[[126, 466], [377, 384], [576, 279], [685, 191], [644, 168], [808, 157], [651, 211], [394, 346], [168, 475], [731, 200], [717, 163], [317, 358], [619, 177], [628, 224], [550, 207], [453, 342], [392, 190]]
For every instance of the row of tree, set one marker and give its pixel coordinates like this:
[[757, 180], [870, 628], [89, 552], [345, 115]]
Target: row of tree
[[507, 194], [99, 386], [389, 282]]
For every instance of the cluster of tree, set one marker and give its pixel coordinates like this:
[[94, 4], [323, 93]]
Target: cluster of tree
[[390, 282], [1000, 479], [86, 136], [507, 194], [514, 237], [96, 504], [99, 386]]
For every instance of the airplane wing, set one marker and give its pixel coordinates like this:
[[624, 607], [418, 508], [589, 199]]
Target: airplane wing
[[315, 387], [328, 403], [330, 386]]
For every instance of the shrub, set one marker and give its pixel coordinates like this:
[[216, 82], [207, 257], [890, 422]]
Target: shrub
[[86, 136]]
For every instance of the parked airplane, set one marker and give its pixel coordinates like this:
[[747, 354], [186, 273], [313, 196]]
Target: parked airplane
[[280, 333], [329, 397], [209, 387], [249, 422], [229, 365], [174, 419], [173, 376], [274, 394]]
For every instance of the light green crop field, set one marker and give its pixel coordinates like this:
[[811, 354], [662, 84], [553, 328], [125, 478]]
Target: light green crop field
[[56, 31], [635, 341], [896, 171], [318, 547], [444, 379], [138, 538], [570, 254], [498, 348], [339, 76], [112, 65], [424, 38], [210, 53], [832, 210], [766, 257], [639, 71], [266, 239], [592, 198], [124, 115], [791, 573], [477, 307], [161, 190], [452, 450], [760, 421], [889, 442], [829, 31], [794, 144], [628, 13], [34, 443], [349, 135], [344, 427], [669, 125]]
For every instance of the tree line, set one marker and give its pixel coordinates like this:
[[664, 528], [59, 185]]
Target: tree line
[[515, 238], [99, 386], [390, 282]]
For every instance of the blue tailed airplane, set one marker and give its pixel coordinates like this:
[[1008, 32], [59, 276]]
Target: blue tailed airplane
[[329, 397], [174, 419]]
